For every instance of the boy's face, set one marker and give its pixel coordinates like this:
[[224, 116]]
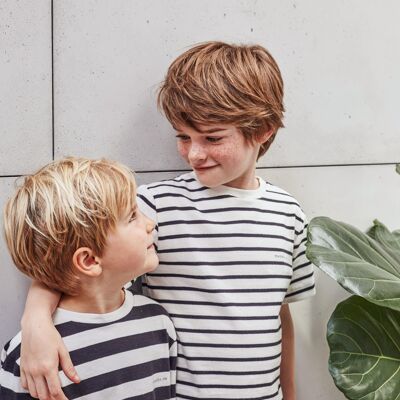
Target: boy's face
[[219, 155], [129, 249]]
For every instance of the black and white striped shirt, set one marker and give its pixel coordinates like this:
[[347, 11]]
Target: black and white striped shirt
[[229, 258], [129, 353]]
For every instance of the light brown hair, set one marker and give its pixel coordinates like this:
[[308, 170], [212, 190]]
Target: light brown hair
[[215, 82], [67, 204]]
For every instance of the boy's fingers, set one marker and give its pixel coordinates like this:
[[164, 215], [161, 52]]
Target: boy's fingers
[[31, 387], [41, 388], [67, 366], [24, 382], [54, 385]]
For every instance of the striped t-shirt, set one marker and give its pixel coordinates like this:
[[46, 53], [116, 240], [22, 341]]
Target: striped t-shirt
[[129, 353], [229, 258]]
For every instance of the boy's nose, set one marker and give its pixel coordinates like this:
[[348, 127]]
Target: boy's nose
[[150, 225], [196, 153]]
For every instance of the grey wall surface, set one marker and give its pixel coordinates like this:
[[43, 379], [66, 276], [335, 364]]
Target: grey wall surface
[[79, 78]]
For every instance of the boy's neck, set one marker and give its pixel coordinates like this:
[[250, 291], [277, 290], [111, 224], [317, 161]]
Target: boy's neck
[[93, 302], [247, 183]]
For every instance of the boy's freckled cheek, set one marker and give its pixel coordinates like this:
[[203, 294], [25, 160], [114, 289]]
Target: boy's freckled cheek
[[225, 151]]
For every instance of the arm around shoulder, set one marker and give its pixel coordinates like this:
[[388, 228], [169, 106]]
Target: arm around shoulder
[[39, 364]]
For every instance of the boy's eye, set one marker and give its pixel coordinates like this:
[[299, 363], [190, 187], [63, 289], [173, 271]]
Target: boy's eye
[[182, 137], [213, 139]]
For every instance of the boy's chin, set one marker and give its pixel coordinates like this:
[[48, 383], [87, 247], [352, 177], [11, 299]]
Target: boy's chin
[[208, 181]]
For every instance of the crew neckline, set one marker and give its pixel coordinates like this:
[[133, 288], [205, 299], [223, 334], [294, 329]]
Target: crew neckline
[[61, 315], [236, 192]]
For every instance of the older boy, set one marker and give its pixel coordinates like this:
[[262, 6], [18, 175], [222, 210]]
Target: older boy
[[74, 226], [231, 246]]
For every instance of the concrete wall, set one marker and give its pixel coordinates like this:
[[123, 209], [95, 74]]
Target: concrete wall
[[79, 78]]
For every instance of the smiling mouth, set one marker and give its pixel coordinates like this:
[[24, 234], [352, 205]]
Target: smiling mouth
[[203, 168]]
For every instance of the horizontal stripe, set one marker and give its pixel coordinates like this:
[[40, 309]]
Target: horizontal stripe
[[221, 249], [224, 235], [306, 289], [180, 180], [117, 377], [228, 209], [229, 345], [215, 304], [302, 278], [160, 393], [265, 384], [235, 222], [137, 314], [146, 201], [201, 189], [268, 397], [7, 394], [195, 200], [299, 244], [222, 277], [224, 263], [242, 318], [118, 345], [241, 373], [269, 200], [229, 332], [139, 387], [299, 255], [193, 289], [226, 359], [306, 264]]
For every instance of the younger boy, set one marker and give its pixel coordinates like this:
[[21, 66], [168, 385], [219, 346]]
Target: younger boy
[[74, 226], [231, 246]]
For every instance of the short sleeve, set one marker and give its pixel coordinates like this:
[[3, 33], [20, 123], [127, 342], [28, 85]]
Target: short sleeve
[[302, 284]]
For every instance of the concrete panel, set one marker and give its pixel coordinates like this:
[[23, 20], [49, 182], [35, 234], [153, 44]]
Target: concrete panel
[[339, 64], [25, 86], [144, 178], [355, 194], [14, 284]]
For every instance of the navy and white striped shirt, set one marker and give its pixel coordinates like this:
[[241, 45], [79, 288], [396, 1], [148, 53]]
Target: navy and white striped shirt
[[129, 353], [229, 258]]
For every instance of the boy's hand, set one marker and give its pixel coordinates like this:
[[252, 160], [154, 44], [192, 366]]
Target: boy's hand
[[40, 356]]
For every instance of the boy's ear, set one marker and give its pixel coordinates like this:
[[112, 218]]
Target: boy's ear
[[265, 136], [86, 262]]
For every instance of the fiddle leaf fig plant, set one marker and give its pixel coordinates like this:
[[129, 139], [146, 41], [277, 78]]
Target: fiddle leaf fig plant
[[365, 350], [365, 266], [364, 330]]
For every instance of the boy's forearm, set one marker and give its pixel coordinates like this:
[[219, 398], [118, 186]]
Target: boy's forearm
[[41, 302], [287, 375]]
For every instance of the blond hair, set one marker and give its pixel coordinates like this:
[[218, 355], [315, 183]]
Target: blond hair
[[67, 204], [215, 82]]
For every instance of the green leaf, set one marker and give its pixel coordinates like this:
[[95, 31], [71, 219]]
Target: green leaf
[[356, 261], [389, 240], [364, 340]]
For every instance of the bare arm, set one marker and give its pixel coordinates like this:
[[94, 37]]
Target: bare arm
[[287, 362], [42, 349]]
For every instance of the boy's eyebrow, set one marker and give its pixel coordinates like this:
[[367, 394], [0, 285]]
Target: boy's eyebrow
[[212, 130]]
